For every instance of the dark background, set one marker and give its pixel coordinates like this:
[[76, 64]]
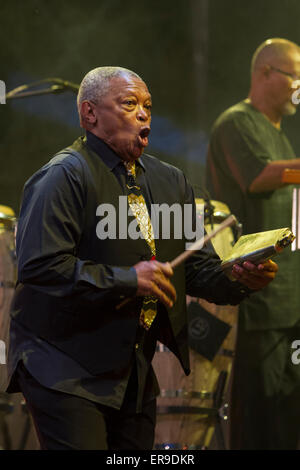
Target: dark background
[[193, 54]]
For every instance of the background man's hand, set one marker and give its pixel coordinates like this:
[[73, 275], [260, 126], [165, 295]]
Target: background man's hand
[[153, 279], [255, 276]]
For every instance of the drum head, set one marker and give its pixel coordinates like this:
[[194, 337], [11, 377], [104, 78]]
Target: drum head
[[214, 213]]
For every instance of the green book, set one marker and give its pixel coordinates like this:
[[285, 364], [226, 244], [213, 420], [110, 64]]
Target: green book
[[258, 247]]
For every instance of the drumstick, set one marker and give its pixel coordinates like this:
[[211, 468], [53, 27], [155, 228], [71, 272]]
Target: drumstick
[[194, 247], [199, 243]]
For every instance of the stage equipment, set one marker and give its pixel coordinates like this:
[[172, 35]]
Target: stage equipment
[[193, 410]]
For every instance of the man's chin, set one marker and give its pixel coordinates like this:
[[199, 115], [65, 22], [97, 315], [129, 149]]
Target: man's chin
[[290, 109], [138, 152], [130, 154]]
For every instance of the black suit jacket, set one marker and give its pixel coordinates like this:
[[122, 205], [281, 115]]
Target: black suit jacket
[[70, 281]]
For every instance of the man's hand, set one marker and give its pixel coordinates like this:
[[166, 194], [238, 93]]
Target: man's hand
[[153, 279], [255, 276]]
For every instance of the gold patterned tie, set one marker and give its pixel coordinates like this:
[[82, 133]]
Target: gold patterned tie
[[139, 209]]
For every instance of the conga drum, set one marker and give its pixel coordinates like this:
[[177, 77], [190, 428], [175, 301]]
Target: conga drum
[[192, 411], [16, 429], [7, 281]]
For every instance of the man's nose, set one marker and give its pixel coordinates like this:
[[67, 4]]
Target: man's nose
[[142, 114]]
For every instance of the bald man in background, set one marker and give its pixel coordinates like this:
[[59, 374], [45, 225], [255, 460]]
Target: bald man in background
[[247, 154]]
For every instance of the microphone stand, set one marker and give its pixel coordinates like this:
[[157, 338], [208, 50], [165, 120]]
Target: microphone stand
[[59, 86]]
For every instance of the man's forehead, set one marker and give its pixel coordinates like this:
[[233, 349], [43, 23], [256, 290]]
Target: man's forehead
[[296, 57], [292, 57], [126, 83]]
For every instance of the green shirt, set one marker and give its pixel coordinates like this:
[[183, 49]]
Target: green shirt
[[243, 142]]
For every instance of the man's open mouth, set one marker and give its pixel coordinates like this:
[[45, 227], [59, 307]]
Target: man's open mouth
[[143, 136]]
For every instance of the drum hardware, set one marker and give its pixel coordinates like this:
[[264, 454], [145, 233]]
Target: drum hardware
[[192, 411], [6, 407], [27, 427], [218, 399], [222, 351], [209, 213], [8, 220], [223, 411], [213, 215], [185, 394], [219, 215], [209, 208], [5, 435], [218, 395], [7, 284], [177, 446], [168, 446], [226, 352], [182, 409]]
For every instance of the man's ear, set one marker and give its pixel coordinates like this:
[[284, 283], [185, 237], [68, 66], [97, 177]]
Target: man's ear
[[265, 70], [87, 113]]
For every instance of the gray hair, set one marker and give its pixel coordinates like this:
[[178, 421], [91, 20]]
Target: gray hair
[[96, 83]]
